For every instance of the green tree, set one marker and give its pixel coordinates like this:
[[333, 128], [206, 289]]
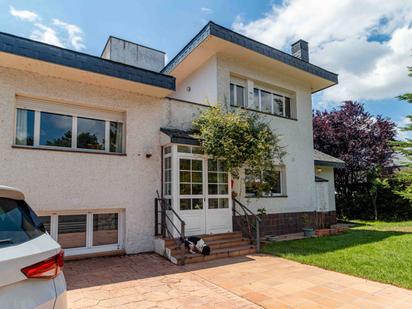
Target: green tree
[[376, 183], [241, 139], [405, 148]]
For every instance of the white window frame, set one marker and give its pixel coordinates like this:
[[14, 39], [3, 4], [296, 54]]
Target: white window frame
[[282, 180], [89, 248], [39, 106], [235, 85], [272, 95]]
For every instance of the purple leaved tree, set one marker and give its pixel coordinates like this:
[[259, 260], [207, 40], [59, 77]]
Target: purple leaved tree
[[356, 137]]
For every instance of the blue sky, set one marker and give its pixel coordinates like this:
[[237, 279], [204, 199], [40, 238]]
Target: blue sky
[[370, 46]]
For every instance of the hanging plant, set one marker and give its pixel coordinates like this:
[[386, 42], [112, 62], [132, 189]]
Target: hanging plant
[[241, 139]]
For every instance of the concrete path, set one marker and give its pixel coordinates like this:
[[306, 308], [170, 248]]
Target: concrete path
[[149, 281]]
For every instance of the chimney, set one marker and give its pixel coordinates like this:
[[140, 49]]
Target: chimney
[[134, 54], [300, 50]]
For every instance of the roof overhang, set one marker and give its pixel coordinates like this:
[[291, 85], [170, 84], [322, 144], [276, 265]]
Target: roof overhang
[[329, 164], [214, 39], [323, 159], [28, 55]]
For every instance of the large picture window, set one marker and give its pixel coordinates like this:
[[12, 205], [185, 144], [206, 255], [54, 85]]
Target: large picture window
[[268, 184], [42, 128], [55, 130], [91, 133]]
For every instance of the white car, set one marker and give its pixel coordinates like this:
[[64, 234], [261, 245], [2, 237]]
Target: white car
[[31, 261]]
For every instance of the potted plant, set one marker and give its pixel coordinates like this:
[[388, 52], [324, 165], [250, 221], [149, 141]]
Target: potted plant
[[308, 230]]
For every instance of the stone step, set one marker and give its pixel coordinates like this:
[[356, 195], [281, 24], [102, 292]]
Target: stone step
[[217, 244], [216, 254], [208, 237]]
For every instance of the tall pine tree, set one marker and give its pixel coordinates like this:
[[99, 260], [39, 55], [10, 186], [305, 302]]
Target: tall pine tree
[[405, 148]]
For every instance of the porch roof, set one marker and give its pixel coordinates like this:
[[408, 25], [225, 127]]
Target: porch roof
[[179, 136], [324, 159], [320, 179]]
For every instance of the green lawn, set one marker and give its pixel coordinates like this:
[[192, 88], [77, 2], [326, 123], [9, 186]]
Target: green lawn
[[380, 251]]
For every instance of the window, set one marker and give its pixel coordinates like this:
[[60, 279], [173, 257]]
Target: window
[[105, 229], [237, 95], [72, 231], [218, 184], [189, 149], [270, 103], [81, 232], [67, 131], [270, 183], [24, 127], [90, 133], [55, 130], [116, 137], [190, 183], [167, 176]]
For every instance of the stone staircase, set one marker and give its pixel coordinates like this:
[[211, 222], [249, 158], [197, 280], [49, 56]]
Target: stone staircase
[[222, 246]]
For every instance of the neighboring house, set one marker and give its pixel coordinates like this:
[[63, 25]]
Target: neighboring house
[[90, 140]]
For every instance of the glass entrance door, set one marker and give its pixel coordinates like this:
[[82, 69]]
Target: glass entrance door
[[218, 213], [192, 194], [201, 192]]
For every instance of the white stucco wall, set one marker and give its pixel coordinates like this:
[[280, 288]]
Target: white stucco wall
[[327, 173], [54, 181], [202, 84], [295, 135]]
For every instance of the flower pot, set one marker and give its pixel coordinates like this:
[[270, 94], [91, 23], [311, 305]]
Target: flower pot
[[308, 232]]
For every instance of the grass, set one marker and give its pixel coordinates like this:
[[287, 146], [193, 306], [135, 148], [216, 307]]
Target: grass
[[380, 251]]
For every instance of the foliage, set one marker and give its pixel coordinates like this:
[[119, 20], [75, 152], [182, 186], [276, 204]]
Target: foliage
[[241, 139], [376, 183], [405, 148], [377, 251], [363, 142], [261, 212]]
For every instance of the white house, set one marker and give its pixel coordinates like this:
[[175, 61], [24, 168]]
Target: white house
[[91, 140]]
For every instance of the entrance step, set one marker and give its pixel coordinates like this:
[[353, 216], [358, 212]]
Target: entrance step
[[222, 245]]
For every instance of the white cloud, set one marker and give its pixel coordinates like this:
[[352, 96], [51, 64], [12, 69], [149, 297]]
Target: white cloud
[[403, 135], [206, 10], [45, 34], [74, 32], [58, 32], [344, 38], [24, 14]]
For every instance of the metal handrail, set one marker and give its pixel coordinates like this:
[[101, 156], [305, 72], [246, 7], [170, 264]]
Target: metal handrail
[[245, 216], [164, 227]]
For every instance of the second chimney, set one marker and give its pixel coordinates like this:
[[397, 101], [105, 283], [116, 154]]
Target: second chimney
[[300, 50]]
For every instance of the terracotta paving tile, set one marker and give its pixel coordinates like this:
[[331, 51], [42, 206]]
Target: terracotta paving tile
[[258, 281]]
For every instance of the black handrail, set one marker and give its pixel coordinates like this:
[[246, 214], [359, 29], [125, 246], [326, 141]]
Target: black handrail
[[245, 216], [162, 227]]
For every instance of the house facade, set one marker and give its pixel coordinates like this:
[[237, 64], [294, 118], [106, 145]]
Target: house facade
[[92, 141]]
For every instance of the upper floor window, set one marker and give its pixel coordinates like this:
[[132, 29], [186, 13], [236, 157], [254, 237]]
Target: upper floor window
[[39, 127], [271, 103], [268, 184], [237, 95]]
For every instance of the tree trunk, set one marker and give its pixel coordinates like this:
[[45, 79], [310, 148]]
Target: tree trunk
[[375, 208]]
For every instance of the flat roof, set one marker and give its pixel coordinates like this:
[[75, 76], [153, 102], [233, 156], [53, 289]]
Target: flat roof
[[45, 52], [213, 29]]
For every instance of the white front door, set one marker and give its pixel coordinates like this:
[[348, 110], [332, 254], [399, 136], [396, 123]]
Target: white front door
[[203, 195]]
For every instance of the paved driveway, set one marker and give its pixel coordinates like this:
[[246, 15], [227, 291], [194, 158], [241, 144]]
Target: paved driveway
[[149, 281]]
